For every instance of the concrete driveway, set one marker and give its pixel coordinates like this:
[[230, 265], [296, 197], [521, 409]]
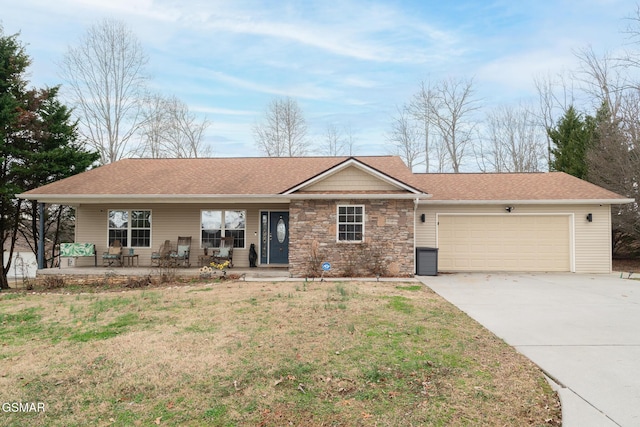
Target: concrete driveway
[[582, 330]]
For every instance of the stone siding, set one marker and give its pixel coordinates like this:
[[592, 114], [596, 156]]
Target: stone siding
[[387, 249]]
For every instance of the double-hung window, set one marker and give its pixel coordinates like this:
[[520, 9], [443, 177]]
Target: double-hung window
[[350, 223], [215, 224], [131, 227]]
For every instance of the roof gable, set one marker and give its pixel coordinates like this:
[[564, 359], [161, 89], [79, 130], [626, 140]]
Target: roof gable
[[352, 176]]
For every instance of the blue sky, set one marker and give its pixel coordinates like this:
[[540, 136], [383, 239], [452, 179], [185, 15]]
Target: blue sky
[[347, 63]]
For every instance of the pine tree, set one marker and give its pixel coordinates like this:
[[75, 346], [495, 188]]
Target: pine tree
[[571, 140], [38, 143]]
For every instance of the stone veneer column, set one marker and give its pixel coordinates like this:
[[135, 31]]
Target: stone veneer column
[[388, 232]]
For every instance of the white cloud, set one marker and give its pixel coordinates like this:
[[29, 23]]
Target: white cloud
[[363, 32], [300, 90], [222, 111]]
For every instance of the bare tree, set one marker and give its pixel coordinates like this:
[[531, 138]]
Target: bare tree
[[338, 141], [169, 129], [601, 78], [422, 108], [284, 130], [106, 76], [614, 163], [631, 59], [350, 140], [555, 96], [515, 142], [155, 116], [335, 143], [452, 112], [185, 132], [405, 137], [441, 156]]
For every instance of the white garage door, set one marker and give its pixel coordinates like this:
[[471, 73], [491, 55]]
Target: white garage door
[[504, 243]]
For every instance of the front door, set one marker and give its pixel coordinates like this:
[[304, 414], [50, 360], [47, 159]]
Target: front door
[[274, 238]]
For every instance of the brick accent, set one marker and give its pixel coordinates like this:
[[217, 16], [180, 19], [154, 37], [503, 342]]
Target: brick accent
[[388, 234]]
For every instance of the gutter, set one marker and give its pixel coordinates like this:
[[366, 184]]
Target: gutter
[[76, 199], [153, 198], [529, 202]]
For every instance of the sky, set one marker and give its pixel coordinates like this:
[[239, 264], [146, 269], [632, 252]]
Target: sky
[[348, 63]]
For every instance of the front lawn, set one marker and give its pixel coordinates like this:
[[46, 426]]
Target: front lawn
[[261, 354]]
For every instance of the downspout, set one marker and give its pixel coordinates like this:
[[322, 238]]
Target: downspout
[[41, 236], [415, 232]]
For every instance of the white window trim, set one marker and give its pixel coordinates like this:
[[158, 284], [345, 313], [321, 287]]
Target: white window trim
[[347, 242], [130, 228], [222, 229]]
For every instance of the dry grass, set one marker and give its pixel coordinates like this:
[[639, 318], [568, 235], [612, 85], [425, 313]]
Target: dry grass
[[627, 265], [241, 353]]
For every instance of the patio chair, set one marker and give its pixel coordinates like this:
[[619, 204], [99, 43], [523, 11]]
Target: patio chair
[[181, 255], [161, 257], [113, 256], [225, 252]]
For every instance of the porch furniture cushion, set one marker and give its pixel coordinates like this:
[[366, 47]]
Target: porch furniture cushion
[[113, 254], [78, 250], [182, 254], [222, 255]]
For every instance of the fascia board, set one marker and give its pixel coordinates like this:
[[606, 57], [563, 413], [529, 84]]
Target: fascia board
[[530, 202], [364, 196], [68, 199]]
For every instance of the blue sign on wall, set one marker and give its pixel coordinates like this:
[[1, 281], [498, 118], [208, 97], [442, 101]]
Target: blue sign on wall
[[326, 266]]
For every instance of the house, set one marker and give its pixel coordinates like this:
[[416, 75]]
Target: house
[[363, 215]]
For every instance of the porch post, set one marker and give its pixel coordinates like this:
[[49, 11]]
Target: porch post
[[41, 236]]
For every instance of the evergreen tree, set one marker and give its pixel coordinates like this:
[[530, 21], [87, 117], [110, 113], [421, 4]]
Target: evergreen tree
[[38, 144], [571, 139]]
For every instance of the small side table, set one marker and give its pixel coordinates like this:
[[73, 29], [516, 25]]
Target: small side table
[[128, 260]]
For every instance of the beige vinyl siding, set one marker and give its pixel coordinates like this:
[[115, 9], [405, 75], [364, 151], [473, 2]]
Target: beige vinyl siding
[[591, 240], [351, 179], [168, 221]]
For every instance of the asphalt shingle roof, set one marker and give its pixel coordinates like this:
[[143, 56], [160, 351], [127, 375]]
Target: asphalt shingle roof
[[275, 175], [510, 186]]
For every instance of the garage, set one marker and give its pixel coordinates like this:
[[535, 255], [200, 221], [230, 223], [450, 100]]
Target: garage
[[504, 242]]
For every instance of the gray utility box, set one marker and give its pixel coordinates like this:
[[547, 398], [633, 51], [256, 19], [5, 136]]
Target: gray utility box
[[427, 261]]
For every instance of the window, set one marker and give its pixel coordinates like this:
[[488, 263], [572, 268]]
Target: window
[[140, 229], [350, 223], [132, 228], [217, 224]]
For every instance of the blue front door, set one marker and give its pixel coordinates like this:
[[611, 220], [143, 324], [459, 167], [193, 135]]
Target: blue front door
[[274, 234]]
